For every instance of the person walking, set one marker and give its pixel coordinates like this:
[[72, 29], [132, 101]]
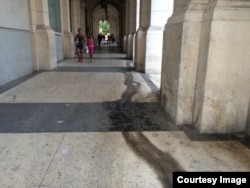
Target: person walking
[[79, 39], [99, 38], [91, 46]]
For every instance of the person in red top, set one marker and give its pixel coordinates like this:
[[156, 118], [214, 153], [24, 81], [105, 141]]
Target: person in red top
[[91, 46]]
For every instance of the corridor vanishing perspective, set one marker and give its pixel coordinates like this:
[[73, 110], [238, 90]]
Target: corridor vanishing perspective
[[100, 124], [167, 91]]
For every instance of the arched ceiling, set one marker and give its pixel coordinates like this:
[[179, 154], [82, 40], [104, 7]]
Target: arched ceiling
[[113, 19], [93, 4], [115, 15]]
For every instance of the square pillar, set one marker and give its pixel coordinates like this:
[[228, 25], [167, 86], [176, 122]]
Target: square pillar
[[140, 46], [140, 37], [43, 37], [180, 59], [68, 38], [222, 87], [46, 48], [132, 28], [76, 20]]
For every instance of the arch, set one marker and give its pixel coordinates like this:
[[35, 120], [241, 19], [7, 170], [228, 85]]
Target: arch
[[95, 4]]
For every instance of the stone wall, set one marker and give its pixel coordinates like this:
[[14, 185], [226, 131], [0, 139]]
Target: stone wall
[[15, 40]]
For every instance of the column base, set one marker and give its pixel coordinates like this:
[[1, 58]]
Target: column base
[[140, 50], [46, 48], [130, 46], [69, 47]]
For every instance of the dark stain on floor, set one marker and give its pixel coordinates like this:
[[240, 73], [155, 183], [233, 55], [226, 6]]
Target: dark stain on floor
[[129, 117], [125, 115], [162, 163]]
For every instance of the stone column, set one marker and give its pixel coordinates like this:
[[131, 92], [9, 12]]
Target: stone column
[[180, 58], [76, 16], [140, 37], [126, 26], [43, 37], [91, 24], [205, 74], [137, 25], [222, 90], [83, 19], [121, 30], [68, 38], [95, 28], [132, 28], [32, 14]]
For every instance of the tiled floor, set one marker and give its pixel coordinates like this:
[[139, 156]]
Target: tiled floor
[[100, 124]]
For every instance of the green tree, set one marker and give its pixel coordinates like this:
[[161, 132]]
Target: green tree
[[104, 27]]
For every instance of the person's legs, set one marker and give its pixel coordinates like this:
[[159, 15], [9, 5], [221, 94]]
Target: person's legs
[[91, 51], [80, 53]]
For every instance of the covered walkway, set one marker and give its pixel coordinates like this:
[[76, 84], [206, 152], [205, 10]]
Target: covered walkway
[[100, 124]]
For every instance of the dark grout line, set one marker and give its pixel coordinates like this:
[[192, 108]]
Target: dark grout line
[[151, 84], [18, 81], [89, 69]]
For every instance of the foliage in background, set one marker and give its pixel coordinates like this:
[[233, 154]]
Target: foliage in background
[[104, 27]]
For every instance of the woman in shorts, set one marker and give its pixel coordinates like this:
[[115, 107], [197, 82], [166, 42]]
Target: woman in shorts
[[79, 39]]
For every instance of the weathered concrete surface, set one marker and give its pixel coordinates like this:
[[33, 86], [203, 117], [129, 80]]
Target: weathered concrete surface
[[205, 75], [110, 159], [52, 136]]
